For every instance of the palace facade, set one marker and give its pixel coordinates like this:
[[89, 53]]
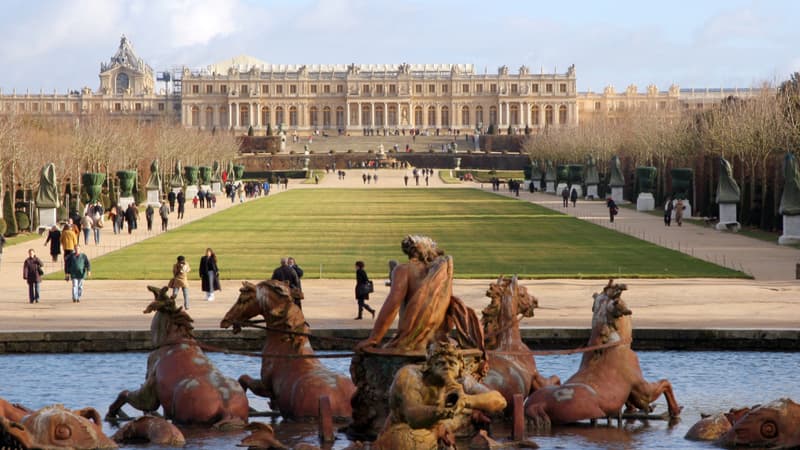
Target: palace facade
[[245, 92]]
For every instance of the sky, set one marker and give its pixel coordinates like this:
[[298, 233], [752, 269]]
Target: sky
[[59, 44]]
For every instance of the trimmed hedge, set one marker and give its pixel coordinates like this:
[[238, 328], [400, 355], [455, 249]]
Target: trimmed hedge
[[23, 221], [8, 214], [2, 225]]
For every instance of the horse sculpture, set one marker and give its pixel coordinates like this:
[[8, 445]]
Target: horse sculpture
[[774, 425], [51, 427], [293, 385], [512, 368], [608, 377], [180, 378]]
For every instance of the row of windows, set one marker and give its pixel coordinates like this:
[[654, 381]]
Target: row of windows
[[381, 89], [621, 106], [73, 107]]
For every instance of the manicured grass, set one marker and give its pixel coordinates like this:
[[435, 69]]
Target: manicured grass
[[24, 237], [327, 230]]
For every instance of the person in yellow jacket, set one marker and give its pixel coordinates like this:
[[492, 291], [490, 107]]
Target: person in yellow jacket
[[69, 239]]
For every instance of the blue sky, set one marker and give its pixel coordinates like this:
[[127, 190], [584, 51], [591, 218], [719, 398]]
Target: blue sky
[[59, 44]]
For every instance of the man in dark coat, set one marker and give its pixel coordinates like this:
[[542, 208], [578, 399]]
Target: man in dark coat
[[171, 199], [287, 274], [181, 204]]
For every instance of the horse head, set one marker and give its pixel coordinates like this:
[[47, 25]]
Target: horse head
[[246, 306], [610, 321], [508, 300], [774, 425], [281, 312], [170, 322], [57, 427]]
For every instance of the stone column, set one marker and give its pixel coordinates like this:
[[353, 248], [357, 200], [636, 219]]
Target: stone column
[[385, 114], [508, 114], [398, 116], [347, 116], [542, 115], [499, 114], [525, 114], [231, 115], [250, 121], [438, 123], [372, 114]]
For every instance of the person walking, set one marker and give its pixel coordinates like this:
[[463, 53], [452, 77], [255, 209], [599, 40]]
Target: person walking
[[209, 274], [181, 204], [573, 196], [362, 291], [86, 226], [180, 281], [679, 207], [78, 269], [69, 240], [130, 216], [163, 211], [299, 271], [668, 212], [612, 208], [54, 239], [148, 215], [288, 275], [565, 196], [32, 271]]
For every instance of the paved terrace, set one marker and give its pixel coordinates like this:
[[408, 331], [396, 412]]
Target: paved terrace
[[767, 302]]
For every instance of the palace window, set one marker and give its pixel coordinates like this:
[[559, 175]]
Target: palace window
[[209, 89], [293, 116], [493, 88], [465, 88], [418, 88], [279, 89], [265, 89], [161, 107], [478, 115], [514, 88], [326, 89], [137, 106], [62, 107], [326, 117], [662, 105], [117, 106], [431, 116], [379, 89], [535, 114], [431, 88], [195, 117], [339, 88], [699, 106], [266, 119], [279, 119], [75, 107], [493, 115], [195, 89], [562, 114], [444, 89], [48, 107], [479, 88], [393, 89], [465, 116], [445, 116], [293, 89], [223, 89], [339, 117], [535, 88], [597, 106], [313, 88], [123, 82], [418, 116], [365, 88], [548, 88], [35, 107], [209, 117], [314, 115], [245, 89], [244, 115], [562, 87], [548, 115]]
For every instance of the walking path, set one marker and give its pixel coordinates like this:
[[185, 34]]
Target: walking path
[[768, 302]]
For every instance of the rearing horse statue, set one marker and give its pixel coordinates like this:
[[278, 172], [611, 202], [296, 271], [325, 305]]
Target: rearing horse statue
[[293, 385], [180, 377], [608, 378], [512, 367]]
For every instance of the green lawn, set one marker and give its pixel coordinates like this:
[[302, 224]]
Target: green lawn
[[327, 230]]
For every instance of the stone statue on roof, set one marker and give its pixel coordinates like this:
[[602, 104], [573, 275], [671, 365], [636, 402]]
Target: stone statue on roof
[[727, 188], [47, 197], [790, 199]]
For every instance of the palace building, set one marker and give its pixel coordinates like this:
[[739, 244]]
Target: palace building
[[245, 92]]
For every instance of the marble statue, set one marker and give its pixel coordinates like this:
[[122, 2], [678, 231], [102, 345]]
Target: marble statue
[[727, 188], [177, 175], [790, 199], [616, 179], [47, 197], [216, 172], [591, 176], [154, 182]]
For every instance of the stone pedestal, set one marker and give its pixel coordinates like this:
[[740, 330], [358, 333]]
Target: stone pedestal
[[727, 217], [458, 163], [216, 187], [125, 201], [153, 197], [591, 191], [191, 191], [47, 218], [206, 188], [616, 194], [687, 209], [550, 187], [791, 230], [645, 202], [560, 187]]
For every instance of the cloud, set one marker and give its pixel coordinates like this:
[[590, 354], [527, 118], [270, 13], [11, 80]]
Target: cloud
[[197, 22]]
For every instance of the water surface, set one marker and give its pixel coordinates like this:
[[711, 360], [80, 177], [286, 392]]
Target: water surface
[[702, 381]]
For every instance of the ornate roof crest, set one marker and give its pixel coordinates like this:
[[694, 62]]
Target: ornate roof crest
[[126, 57]]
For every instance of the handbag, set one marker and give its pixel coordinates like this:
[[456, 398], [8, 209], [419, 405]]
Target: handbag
[[370, 287], [40, 271]]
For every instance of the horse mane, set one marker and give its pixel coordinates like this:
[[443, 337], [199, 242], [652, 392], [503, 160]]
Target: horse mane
[[490, 316], [165, 304], [603, 321], [289, 318]]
